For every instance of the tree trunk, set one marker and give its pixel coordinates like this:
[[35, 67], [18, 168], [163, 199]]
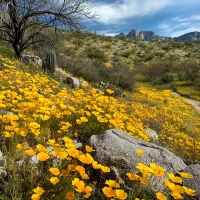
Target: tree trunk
[[18, 52]]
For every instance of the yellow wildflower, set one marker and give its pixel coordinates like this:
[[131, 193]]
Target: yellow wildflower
[[189, 191], [70, 195], [175, 179], [42, 156], [185, 175], [120, 194], [108, 192], [41, 148], [88, 148], [86, 158], [132, 176], [105, 169], [38, 190], [112, 183], [35, 197], [80, 169], [54, 170], [54, 180], [140, 152], [30, 152], [160, 196], [158, 170], [95, 165]]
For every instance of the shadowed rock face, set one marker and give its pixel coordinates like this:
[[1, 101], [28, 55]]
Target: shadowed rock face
[[188, 37], [193, 183], [116, 148], [146, 35], [74, 82]]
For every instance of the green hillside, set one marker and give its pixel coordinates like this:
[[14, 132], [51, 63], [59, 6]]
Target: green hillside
[[124, 63], [41, 116]]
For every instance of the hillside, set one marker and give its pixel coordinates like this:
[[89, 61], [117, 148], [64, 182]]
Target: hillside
[[123, 62], [41, 117]]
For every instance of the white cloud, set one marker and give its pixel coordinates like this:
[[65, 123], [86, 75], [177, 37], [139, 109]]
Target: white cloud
[[178, 26], [113, 13], [107, 33]]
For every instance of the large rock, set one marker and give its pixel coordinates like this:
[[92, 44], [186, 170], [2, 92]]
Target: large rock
[[152, 134], [61, 73], [74, 82], [194, 182], [116, 148], [32, 58]]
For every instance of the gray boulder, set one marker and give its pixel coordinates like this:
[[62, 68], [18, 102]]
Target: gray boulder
[[152, 134], [32, 59], [116, 148], [74, 82], [61, 73], [194, 182]]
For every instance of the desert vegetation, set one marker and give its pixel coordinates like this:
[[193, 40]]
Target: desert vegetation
[[125, 84], [41, 118]]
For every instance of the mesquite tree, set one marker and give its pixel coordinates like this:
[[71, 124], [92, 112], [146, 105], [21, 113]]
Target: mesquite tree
[[22, 22]]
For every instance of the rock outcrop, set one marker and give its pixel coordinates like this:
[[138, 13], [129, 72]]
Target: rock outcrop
[[188, 37], [152, 134], [146, 35], [194, 182], [32, 59], [118, 149], [61, 73], [150, 35], [74, 82]]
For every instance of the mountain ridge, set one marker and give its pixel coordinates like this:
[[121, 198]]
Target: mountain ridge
[[150, 35]]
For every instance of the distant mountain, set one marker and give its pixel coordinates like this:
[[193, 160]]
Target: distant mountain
[[150, 35], [188, 37], [146, 35]]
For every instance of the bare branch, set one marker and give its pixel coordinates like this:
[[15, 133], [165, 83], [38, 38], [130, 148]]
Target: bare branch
[[22, 21]]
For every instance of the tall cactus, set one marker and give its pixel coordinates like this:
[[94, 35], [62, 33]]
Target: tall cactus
[[50, 62]]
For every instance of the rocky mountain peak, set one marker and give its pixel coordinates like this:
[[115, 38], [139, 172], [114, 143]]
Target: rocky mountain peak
[[150, 35]]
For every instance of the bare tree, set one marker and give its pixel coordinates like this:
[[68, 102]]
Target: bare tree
[[22, 22]]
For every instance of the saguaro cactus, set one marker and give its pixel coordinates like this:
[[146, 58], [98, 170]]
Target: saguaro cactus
[[50, 61]]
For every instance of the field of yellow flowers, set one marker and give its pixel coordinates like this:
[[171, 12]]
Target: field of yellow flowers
[[40, 118]]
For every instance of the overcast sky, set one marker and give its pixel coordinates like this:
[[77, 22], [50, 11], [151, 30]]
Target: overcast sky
[[165, 17]]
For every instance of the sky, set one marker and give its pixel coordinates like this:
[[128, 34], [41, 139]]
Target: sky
[[170, 18]]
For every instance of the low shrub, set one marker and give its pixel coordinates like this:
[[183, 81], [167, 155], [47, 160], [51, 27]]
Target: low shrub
[[95, 53], [127, 53], [157, 72], [167, 77], [118, 75]]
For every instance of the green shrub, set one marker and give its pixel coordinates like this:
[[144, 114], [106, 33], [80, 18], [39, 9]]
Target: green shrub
[[166, 47], [127, 53], [188, 70], [78, 42], [156, 71], [95, 53], [107, 46], [119, 75], [149, 57], [69, 51], [167, 77], [159, 54], [142, 44]]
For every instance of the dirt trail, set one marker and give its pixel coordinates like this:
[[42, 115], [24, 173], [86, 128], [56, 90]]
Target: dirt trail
[[194, 103]]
